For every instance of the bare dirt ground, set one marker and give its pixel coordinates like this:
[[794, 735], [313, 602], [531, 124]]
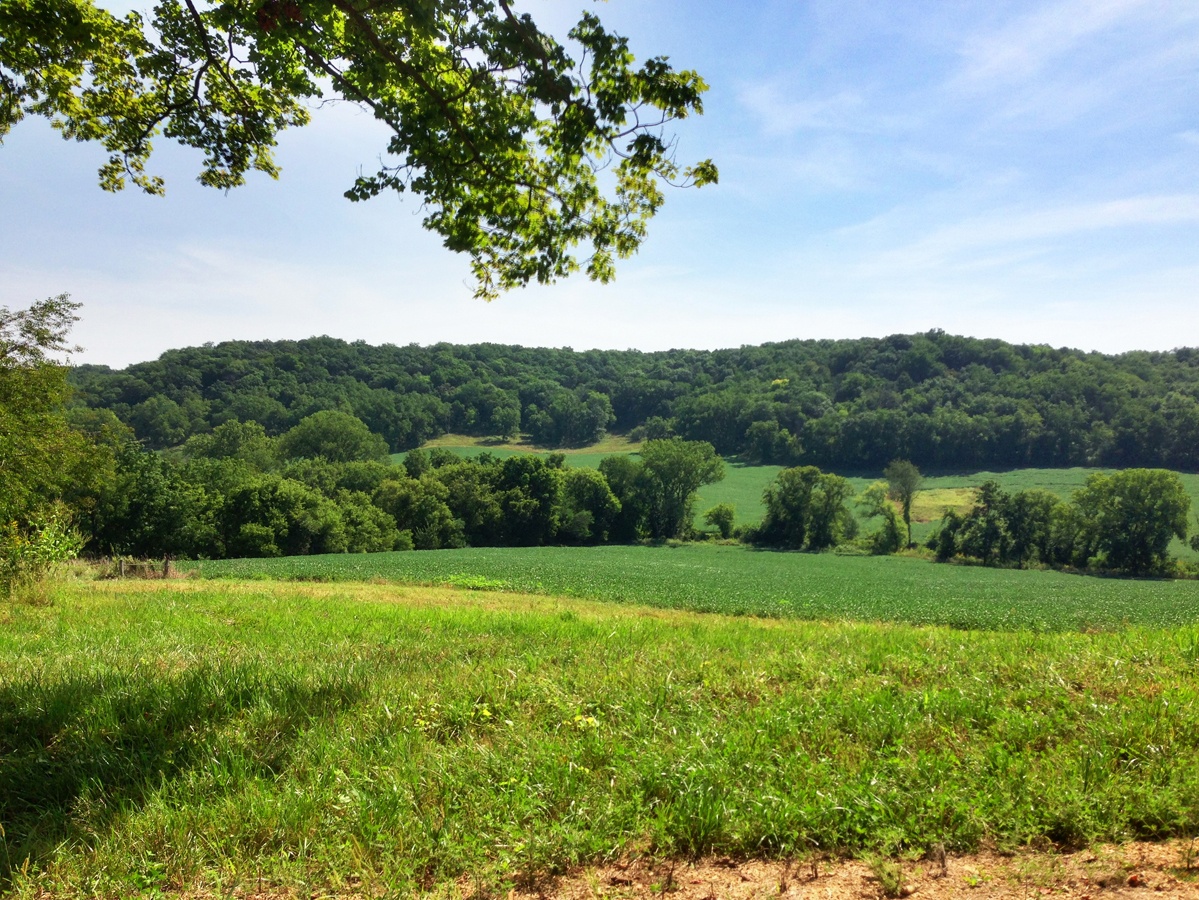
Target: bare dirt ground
[[1129, 870], [1138, 870]]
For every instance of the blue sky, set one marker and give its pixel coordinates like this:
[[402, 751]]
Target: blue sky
[[1028, 171]]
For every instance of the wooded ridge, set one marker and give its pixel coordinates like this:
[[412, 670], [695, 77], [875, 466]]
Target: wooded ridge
[[940, 400]]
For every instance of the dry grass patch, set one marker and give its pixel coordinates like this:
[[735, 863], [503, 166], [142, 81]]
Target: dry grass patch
[[931, 504]]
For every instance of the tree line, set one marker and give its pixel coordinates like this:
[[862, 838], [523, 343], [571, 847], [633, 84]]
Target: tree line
[[938, 400], [327, 485], [1120, 522]]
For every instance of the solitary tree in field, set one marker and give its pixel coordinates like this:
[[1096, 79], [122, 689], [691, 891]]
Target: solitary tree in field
[[805, 508], [903, 483], [499, 128], [722, 516], [875, 503]]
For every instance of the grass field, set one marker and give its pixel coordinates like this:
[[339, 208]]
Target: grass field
[[223, 738], [469, 447], [735, 580]]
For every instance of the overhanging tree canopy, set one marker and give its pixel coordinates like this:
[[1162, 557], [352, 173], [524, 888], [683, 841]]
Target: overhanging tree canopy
[[520, 151]]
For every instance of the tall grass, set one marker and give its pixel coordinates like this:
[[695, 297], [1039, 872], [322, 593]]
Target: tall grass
[[385, 740]]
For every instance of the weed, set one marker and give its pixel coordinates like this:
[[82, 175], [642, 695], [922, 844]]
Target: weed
[[939, 858], [889, 874], [1189, 853]]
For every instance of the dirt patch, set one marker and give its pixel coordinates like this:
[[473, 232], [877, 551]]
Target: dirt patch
[[1131, 870], [1139, 870]]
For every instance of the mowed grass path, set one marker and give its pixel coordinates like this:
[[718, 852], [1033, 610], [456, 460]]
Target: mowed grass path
[[738, 581], [372, 740]]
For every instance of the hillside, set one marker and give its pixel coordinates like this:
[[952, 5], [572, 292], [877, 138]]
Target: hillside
[[943, 401]]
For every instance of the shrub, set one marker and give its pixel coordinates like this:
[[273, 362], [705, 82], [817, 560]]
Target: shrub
[[29, 554], [721, 517]]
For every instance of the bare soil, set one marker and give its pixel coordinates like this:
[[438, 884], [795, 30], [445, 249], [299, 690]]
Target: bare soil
[[1108, 872]]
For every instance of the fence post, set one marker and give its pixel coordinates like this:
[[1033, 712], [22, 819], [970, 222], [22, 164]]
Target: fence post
[[166, 567], [120, 567]]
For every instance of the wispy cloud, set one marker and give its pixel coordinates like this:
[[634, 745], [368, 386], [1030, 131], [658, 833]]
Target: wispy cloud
[[780, 113], [1022, 47], [995, 237]]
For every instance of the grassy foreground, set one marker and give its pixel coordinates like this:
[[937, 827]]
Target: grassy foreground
[[738, 581], [385, 740]]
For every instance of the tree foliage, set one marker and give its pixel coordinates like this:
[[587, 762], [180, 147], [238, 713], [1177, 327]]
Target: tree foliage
[[1123, 521], [506, 134], [833, 404], [42, 458], [876, 504], [903, 484], [806, 510], [40, 454], [334, 436], [721, 517], [1135, 513], [228, 495], [672, 470]]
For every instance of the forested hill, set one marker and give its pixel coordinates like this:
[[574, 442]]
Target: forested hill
[[941, 401]]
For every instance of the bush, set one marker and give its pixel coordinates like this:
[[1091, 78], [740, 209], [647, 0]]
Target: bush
[[29, 554], [721, 516]]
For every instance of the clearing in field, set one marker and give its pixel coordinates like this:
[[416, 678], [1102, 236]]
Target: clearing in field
[[468, 446], [221, 737], [932, 503]]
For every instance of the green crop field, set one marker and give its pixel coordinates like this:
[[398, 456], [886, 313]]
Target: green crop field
[[742, 486], [204, 738], [735, 580]]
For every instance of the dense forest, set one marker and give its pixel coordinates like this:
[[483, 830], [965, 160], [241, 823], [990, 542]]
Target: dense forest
[[939, 400]]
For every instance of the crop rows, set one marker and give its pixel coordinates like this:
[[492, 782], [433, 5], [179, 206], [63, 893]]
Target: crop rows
[[732, 580]]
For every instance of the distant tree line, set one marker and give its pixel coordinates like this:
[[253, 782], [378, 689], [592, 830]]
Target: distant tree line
[[328, 486], [1118, 522], [1123, 521], [935, 399]]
